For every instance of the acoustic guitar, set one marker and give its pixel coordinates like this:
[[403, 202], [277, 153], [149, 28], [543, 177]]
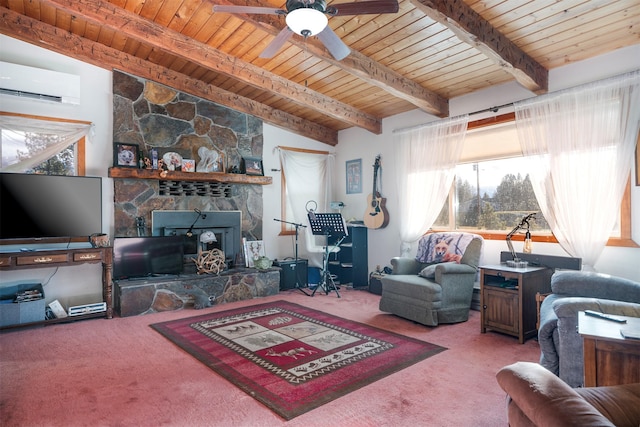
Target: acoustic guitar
[[376, 215]]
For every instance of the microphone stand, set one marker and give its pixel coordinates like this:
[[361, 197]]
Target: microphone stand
[[295, 265]]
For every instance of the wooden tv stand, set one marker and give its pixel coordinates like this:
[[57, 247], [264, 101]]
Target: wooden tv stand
[[64, 258]]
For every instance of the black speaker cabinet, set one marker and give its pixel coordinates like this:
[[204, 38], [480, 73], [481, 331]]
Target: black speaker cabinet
[[289, 272]]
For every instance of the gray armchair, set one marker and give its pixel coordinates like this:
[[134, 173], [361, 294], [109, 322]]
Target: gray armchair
[[436, 286], [573, 291]]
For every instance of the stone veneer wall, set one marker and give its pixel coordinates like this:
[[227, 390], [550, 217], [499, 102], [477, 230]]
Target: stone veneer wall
[[155, 116]]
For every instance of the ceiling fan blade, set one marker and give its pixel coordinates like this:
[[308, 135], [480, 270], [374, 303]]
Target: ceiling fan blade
[[334, 45], [248, 9], [364, 8], [276, 43]]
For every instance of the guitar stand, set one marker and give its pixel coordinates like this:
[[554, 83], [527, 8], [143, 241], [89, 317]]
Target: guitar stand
[[295, 262], [330, 224]]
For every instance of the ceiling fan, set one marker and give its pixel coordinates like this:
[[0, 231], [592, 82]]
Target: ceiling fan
[[309, 18]]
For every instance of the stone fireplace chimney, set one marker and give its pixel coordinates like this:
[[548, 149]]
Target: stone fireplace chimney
[[153, 116]]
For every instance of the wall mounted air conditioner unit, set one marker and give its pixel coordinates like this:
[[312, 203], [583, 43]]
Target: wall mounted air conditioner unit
[[40, 84]]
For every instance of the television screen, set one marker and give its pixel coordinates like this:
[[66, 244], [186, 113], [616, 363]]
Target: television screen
[[43, 206], [135, 257]]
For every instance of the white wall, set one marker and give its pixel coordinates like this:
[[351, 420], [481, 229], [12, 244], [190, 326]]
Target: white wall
[[357, 143]]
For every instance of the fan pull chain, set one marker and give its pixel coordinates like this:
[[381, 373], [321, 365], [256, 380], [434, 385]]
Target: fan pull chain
[[306, 57]]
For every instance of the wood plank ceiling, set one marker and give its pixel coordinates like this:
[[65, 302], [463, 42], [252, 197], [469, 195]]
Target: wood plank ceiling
[[422, 56]]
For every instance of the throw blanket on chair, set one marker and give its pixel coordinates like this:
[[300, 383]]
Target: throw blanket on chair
[[443, 247]]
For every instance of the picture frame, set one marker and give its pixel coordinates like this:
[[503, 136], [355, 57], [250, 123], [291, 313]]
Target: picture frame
[[253, 250], [188, 165], [126, 155], [354, 176], [211, 160], [220, 165], [252, 166]]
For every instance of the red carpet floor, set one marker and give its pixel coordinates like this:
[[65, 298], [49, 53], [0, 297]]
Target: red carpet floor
[[120, 372]]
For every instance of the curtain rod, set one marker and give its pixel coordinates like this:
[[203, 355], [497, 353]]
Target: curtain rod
[[492, 109], [609, 80]]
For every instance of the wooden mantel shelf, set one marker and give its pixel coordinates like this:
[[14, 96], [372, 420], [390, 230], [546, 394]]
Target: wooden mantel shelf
[[228, 178]]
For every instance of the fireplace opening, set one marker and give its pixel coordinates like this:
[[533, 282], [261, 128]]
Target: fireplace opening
[[225, 225]]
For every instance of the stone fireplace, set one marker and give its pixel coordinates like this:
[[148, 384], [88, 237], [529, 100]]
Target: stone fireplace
[[153, 116]]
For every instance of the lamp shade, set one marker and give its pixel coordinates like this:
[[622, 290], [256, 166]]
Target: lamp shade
[[306, 22]]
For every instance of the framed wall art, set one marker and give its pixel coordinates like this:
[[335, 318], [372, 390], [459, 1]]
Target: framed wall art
[[354, 176], [125, 155], [252, 166]]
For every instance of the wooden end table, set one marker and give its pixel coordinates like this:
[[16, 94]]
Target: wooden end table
[[508, 299], [609, 358]]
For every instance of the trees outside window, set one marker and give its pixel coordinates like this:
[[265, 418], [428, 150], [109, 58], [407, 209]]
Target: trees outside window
[[32, 143], [44, 145], [493, 196]]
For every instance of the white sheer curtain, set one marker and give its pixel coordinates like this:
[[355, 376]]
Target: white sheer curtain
[[308, 182], [580, 142], [68, 133], [425, 162]]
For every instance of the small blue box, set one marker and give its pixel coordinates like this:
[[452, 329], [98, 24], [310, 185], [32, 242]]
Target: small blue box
[[313, 276], [15, 313]]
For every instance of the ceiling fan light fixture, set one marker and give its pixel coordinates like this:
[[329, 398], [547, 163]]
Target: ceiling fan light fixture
[[306, 21]]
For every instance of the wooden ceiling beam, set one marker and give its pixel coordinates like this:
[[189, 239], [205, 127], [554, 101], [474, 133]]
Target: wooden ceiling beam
[[476, 31], [166, 40], [356, 64], [51, 38]]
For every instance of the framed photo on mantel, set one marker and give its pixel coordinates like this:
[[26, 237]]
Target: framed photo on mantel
[[125, 155], [252, 166]]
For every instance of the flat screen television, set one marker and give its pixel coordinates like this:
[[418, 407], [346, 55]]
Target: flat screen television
[[139, 257], [36, 206]]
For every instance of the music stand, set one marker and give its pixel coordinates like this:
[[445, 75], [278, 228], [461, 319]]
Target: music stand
[[327, 224]]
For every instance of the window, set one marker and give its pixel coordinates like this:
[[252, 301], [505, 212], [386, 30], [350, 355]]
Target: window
[[490, 196], [306, 184], [31, 144]]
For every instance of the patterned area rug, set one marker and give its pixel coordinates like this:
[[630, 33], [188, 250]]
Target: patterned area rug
[[292, 358]]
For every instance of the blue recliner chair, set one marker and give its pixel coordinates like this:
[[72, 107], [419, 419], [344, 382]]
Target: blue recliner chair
[[573, 291], [437, 285]]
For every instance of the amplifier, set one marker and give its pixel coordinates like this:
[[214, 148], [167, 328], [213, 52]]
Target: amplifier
[[291, 270]]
